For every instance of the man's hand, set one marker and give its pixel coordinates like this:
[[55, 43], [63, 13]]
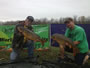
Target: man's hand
[[66, 44], [21, 33], [76, 42]]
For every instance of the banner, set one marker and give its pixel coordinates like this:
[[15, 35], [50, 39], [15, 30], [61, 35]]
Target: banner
[[7, 31]]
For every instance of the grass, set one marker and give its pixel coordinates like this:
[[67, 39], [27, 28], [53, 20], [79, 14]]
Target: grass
[[49, 55]]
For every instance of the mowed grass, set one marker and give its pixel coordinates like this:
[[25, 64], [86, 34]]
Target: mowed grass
[[49, 55]]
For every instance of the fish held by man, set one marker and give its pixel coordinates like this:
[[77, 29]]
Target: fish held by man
[[62, 40], [29, 35]]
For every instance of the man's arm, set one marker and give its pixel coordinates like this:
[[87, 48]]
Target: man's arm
[[76, 42], [78, 37], [18, 31]]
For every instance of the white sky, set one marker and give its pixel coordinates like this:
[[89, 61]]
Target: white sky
[[20, 9]]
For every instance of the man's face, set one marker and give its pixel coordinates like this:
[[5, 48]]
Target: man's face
[[27, 22], [70, 24]]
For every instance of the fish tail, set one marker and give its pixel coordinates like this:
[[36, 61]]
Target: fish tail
[[43, 41]]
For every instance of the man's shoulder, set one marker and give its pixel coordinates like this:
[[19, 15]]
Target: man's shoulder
[[79, 27], [20, 24]]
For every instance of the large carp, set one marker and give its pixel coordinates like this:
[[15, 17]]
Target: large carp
[[31, 35], [62, 40]]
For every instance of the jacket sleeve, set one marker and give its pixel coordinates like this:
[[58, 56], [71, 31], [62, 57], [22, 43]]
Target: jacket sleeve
[[17, 38]]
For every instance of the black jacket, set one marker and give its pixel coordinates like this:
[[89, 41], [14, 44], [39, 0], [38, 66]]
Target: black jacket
[[18, 39]]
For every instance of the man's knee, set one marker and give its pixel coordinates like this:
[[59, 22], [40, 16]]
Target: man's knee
[[14, 55], [79, 58]]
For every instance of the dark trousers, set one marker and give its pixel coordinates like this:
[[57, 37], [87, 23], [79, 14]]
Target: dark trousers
[[79, 58]]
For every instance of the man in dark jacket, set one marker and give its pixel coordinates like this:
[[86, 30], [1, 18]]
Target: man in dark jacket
[[19, 40]]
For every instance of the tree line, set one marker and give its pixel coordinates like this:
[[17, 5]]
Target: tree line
[[78, 20]]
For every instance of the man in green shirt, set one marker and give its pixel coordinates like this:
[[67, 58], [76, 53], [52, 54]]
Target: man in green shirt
[[78, 36]]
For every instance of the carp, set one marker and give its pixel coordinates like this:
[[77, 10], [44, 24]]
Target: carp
[[62, 40], [28, 34]]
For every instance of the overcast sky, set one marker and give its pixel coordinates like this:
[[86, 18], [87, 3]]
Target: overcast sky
[[20, 9]]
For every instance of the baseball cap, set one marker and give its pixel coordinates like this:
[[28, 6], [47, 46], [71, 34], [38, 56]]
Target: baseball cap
[[30, 18]]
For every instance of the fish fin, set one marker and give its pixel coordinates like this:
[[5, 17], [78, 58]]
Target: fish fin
[[43, 41]]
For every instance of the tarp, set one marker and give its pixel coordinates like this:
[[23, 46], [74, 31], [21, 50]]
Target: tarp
[[7, 31]]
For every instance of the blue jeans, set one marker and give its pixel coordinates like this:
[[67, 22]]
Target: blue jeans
[[16, 52]]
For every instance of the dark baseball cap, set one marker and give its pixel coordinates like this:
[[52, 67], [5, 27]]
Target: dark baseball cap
[[30, 18]]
